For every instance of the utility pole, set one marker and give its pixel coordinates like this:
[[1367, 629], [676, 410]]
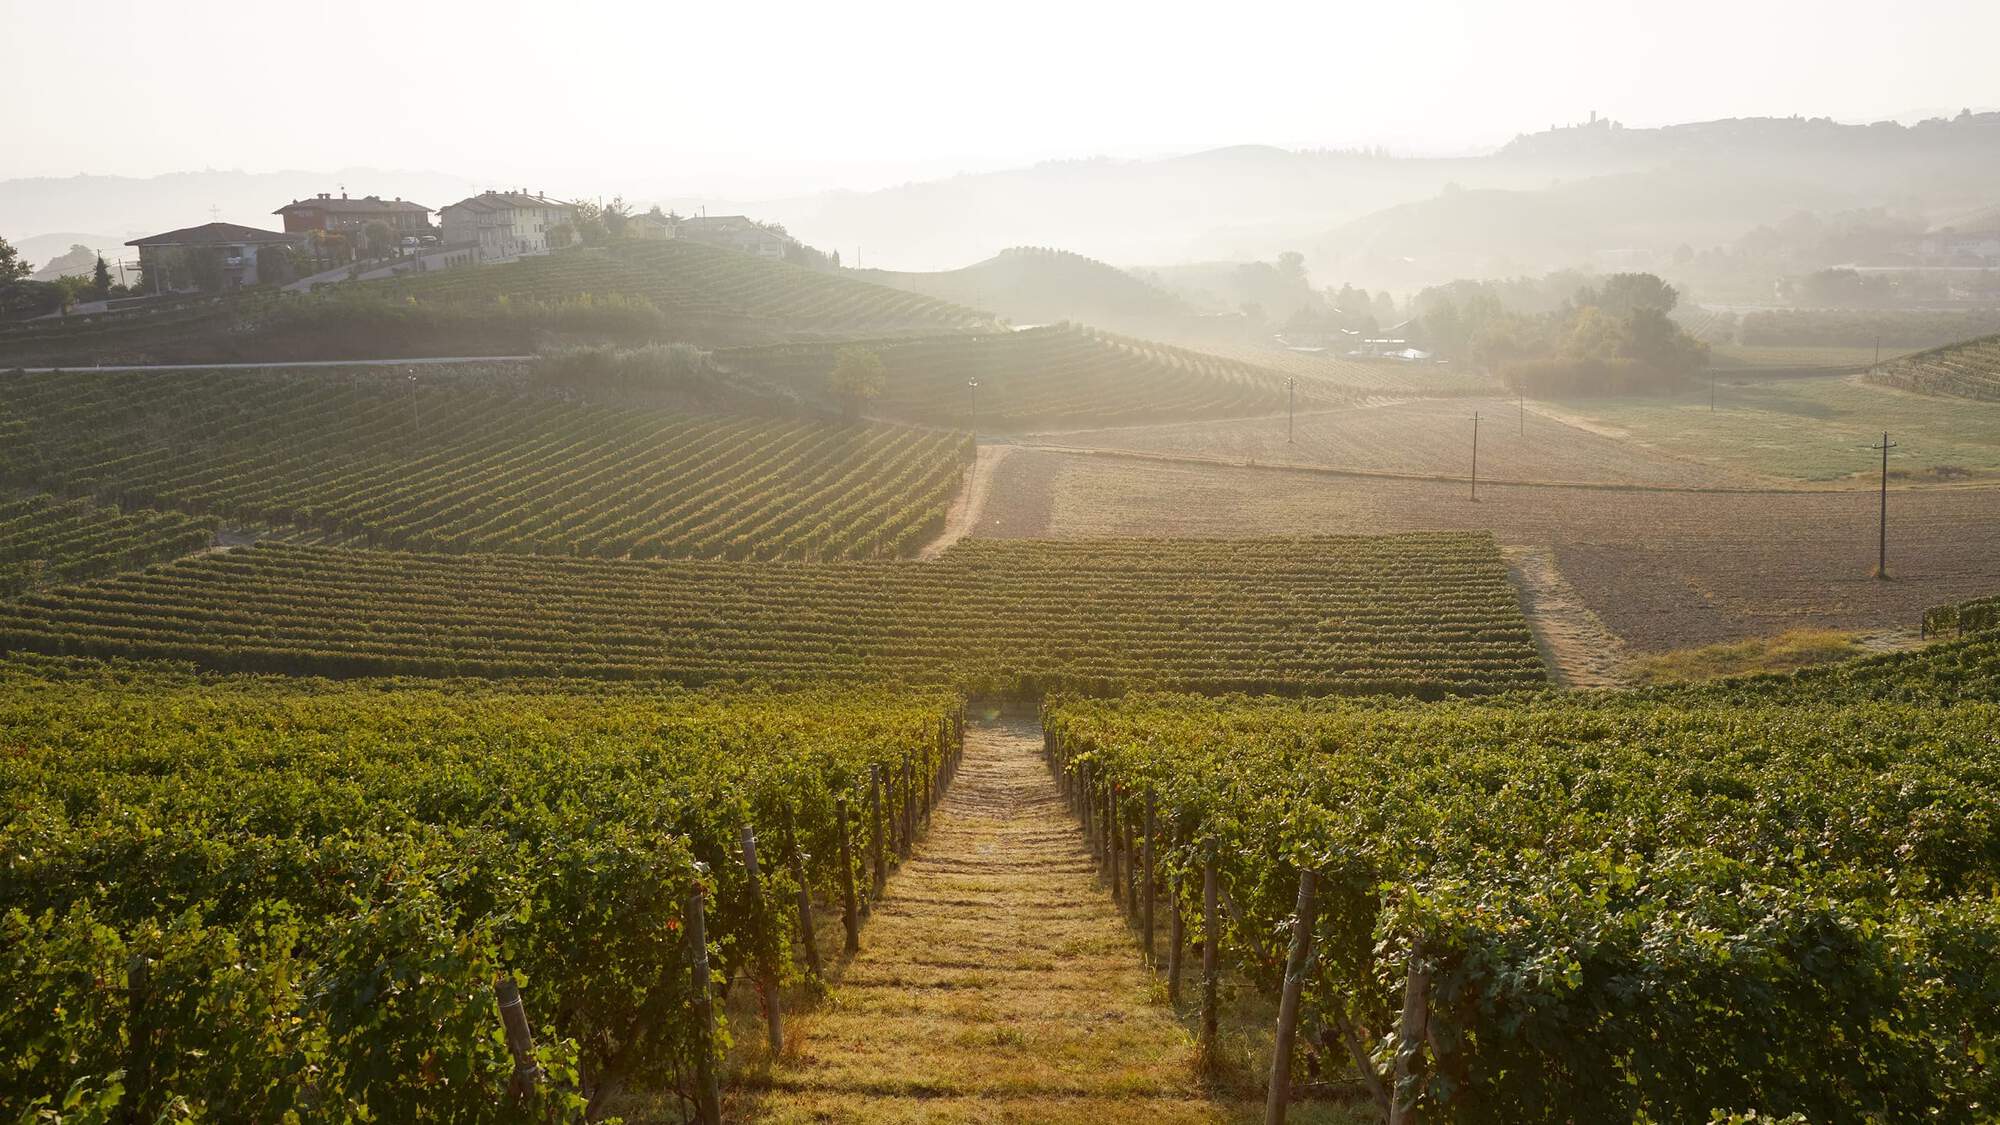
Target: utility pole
[[973, 386], [1522, 397], [1475, 456], [1711, 392], [1882, 542], [1878, 350], [1291, 400]]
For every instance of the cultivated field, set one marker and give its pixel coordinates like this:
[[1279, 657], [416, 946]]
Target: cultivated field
[[1968, 370], [1061, 375], [45, 540], [1664, 569], [1428, 614], [1420, 437], [1815, 429], [374, 459]]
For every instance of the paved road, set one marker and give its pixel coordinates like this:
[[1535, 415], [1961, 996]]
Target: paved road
[[422, 360]]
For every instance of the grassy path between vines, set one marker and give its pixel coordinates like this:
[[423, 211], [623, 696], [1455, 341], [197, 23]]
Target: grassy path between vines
[[996, 981]]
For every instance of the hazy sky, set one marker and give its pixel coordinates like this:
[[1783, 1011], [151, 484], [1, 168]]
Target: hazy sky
[[743, 97]]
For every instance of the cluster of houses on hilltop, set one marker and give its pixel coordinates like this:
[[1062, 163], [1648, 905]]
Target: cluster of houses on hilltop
[[493, 226]]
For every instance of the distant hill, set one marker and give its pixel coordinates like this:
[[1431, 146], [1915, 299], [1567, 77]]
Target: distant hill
[[1031, 285]]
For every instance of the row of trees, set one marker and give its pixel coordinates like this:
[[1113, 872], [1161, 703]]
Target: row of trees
[[1612, 336]]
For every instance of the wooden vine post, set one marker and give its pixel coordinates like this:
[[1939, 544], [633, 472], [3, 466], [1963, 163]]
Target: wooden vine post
[[1406, 1076], [1146, 904], [1111, 835], [850, 906], [707, 1091], [909, 809], [1176, 938], [1211, 926], [798, 865], [520, 1038], [1279, 1095], [1131, 864], [875, 841], [767, 980]]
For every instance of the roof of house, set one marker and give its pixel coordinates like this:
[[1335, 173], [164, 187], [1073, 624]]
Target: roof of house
[[367, 204], [504, 201], [212, 234], [721, 223]]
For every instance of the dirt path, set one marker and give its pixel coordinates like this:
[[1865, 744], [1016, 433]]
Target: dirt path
[[996, 981], [1579, 650], [970, 501]]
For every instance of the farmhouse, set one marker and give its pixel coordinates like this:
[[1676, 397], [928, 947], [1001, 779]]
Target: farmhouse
[[651, 226], [737, 232], [499, 226], [210, 256], [325, 213]]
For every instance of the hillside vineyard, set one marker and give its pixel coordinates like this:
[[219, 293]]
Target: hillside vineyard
[[45, 540], [321, 883], [688, 281], [1055, 375], [1967, 370], [1604, 904], [469, 469], [1424, 614]]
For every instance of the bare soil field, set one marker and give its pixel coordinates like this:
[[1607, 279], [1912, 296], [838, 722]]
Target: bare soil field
[[1423, 437], [1661, 569]]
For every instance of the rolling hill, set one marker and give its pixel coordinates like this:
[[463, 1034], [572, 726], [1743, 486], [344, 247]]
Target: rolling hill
[[1032, 285], [1053, 376]]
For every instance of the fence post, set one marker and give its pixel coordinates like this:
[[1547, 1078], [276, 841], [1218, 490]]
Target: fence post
[[774, 1016], [139, 1033], [520, 1040], [1410, 1034], [1211, 925], [1146, 912], [1176, 938], [850, 912], [909, 808], [1131, 864], [707, 1092], [875, 842], [1280, 1092], [1111, 837], [798, 865]]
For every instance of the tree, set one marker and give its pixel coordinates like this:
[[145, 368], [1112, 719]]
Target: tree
[[613, 216], [100, 279], [274, 264], [1622, 293], [12, 268], [381, 241], [857, 378]]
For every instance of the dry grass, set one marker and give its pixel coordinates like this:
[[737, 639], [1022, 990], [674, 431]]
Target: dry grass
[[1786, 652], [998, 983]]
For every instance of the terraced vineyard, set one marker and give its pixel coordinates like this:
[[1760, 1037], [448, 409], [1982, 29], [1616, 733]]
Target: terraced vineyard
[[454, 468], [1598, 908], [1967, 370], [690, 282], [1422, 614], [1052, 376], [44, 539], [248, 899]]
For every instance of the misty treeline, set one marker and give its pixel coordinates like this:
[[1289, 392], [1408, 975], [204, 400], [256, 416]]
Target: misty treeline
[[1563, 334]]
